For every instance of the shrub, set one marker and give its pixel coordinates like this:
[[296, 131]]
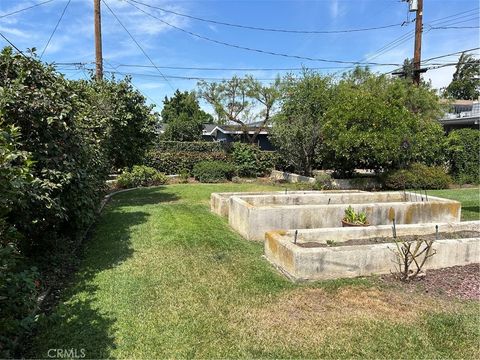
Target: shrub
[[141, 175], [17, 298], [175, 162], [464, 151], [213, 171], [186, 146], [324, 181], [250, 161], [68, 170], [418, 176]]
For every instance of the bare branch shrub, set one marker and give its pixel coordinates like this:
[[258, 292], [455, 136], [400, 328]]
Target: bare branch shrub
[[411, 256]]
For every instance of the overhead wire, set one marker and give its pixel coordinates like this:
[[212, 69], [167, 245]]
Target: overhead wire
[[14, 46], [55, 28], [248, 27], [24, 9], [138, 44], [249, 48]]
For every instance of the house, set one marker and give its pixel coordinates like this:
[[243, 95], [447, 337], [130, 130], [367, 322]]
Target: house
[[232, 133], [464, 114]]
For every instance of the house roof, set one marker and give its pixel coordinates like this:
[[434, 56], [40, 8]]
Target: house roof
[[234, 129]]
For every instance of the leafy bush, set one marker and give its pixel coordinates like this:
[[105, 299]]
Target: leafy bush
[[381, 123], [68, 170], [250, 161], [175, 162], [17, 298], [17, 289], [418, 176], [116, 116], [324, 181], [141, 175], [464, 150], [213, 171], [186, 146]]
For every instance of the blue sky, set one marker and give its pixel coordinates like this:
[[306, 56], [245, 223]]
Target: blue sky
[[167, 46]]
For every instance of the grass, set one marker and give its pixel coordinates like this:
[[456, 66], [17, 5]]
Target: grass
[[470, 199], [162, 277]]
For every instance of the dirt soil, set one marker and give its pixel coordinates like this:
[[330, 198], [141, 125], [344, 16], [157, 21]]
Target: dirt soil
[[383, 240], [458, 281]]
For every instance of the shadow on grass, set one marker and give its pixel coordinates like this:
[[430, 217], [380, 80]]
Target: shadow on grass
[[474, 210], [146, 196], [83, 323]]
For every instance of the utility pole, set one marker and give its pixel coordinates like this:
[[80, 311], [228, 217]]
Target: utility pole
[[98, 40], [418, 43]]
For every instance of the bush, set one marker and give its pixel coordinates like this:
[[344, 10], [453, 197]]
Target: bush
[[213, 171], [464, 151], [176, 162], [418, 176], [141, 175], [250, 161], [324, 181], [187, 146], [17, 298]]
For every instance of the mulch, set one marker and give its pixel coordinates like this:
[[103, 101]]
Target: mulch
[[461, 282]]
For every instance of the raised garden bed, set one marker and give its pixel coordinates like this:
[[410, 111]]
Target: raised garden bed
[[284, 249]]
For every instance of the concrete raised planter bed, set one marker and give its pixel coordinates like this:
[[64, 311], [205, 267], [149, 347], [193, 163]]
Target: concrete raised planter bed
[[252, 216], [220, 202], [320, 263]]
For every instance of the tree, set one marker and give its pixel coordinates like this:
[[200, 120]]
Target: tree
[[118, 118], [242, 101], [466, 79], [297, 128], [184, 117], [378, 122]]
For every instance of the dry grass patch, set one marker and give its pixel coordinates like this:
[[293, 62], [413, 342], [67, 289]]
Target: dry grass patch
[[307, 318]]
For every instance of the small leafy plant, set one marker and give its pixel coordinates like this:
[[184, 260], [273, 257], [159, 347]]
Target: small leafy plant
[[353, 217], [331, 242]]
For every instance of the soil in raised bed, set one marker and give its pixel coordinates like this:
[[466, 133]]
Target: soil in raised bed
[[383, 240]]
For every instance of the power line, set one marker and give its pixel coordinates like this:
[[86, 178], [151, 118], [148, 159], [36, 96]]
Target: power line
[[27, 8], [137, 43], [253, 49], [266, 28], [13, 45], [451, 54], [455, 15], [55, 29]]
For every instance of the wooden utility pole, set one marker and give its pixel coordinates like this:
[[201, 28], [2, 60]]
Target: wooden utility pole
[[98, 40], [418, 43]]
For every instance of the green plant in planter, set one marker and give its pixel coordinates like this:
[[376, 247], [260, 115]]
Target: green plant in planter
[[355, 218]]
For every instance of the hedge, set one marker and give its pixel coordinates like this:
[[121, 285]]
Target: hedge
[[464, 151], [176, 162], [141, 175], [213, 171], [189, 146], [418, 176]]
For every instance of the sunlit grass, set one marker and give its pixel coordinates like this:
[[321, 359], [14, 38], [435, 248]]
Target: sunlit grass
[[163, 277]]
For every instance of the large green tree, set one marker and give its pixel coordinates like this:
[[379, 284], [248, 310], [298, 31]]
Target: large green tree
[[183, 117], [378, 122], [297, 130], [466, 79]]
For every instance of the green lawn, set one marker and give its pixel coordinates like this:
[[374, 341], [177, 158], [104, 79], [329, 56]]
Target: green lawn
[[470, 199], [163, 277]]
